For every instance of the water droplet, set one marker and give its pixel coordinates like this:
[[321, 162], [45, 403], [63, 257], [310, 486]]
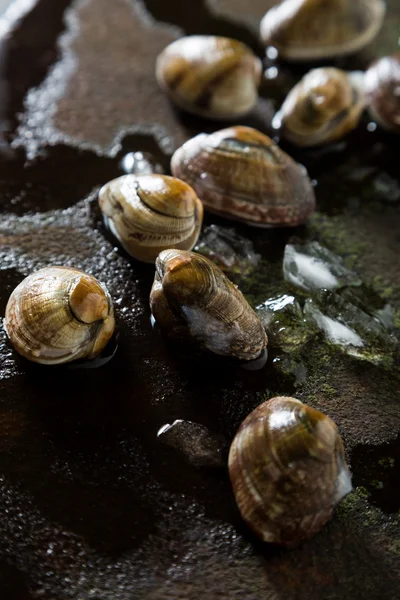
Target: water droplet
[[140, 163], [271, 73], [277, 121], [272, 52]]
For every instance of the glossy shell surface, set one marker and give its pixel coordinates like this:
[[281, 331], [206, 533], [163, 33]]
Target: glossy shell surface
[[242, 174], [59, 314], [321, 29], [149, 213], [192, 299], [324, 106], [210, 76], [288, 470], [382, 86]]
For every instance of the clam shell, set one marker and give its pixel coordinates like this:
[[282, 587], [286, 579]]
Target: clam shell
[[320, 29], [382, 85], [192, 298], [324, 106], [210, 76], [288, 470], [59, 314], [242, 174], [149, 213]]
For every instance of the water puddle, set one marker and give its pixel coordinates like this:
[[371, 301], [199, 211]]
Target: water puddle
[[195, 18], [26, 56], [376, 468], [60, 176]]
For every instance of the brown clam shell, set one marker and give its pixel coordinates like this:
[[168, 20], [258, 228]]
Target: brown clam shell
[[288, 470], [191, 298], [210, 76], [149, 213], [323, 107], [242, 174], [59, 314], [382, 87], [320, 29]]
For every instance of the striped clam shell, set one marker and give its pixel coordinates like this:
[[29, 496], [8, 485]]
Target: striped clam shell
[[324, 106], [242, 174], [192, 298], [382, 83], [288, 470], [210, 76], [321, 29], [59, 314], [149, 213]]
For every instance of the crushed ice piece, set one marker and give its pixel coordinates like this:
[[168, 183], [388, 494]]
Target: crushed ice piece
[[284, 321], [365, 298], [312, 267], [387, 188], [289, 367], [233, 253], [353, 330]]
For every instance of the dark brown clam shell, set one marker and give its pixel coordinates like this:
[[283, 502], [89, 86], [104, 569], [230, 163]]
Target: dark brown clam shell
[[323, 107], [321, 29], [242, 174], [210, 76], [193, 299], [59, 314], [149, 213], [288, 470], [382, 86]]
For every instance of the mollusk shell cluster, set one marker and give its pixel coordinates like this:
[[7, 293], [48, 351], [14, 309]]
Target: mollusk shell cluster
[[210, 76], [191, 298], [288, 470], [240, 173], [149, 213], [324, 106], [317, 29], [59, 314]]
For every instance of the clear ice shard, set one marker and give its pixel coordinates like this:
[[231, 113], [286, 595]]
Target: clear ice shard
[[350, 328], [233, 253], [312, 266]]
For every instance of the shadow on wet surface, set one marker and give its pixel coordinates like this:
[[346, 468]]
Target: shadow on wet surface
[[376, 468]]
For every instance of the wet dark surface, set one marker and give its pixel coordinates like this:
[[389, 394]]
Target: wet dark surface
[[376, 468], [92, 504]]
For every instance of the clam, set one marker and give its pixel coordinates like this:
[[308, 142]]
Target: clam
[[149, 213], [324, 106], [288, 470], [59, 314], [321, 29], [242, 174], [210, 76], [382, 84], [193, 301]]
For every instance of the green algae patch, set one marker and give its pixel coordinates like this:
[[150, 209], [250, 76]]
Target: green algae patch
[[332, 232]]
